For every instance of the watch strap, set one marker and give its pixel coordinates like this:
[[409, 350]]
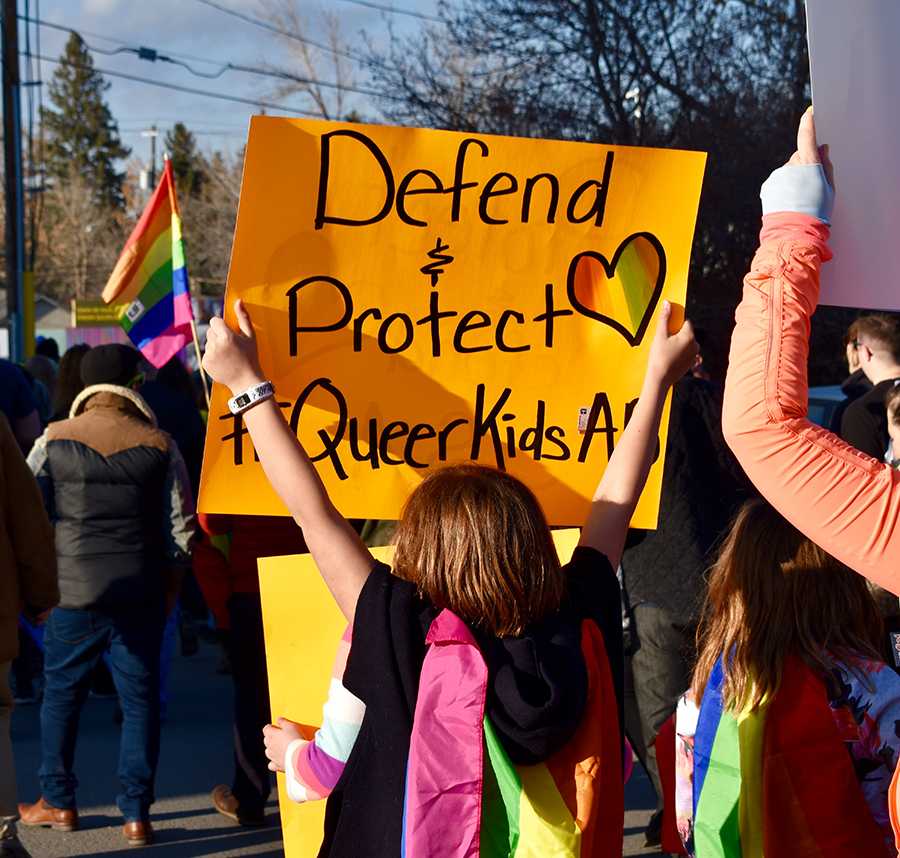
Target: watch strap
[[253, 395]]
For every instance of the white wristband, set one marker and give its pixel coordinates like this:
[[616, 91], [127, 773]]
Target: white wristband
[[251, 396]]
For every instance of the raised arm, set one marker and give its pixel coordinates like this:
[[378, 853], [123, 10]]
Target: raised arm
[[345, 563], [840, 498], [623, 481]]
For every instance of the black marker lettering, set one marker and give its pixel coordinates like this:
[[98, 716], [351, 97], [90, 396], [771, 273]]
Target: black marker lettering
[[458, 185], [236, 435], [502, 345], [490, 190], [594, 427], [419, 432], [532, 440], [510, 436], [358, 326], [356, 443], [555, 435], [295, 329], [598, 207], [394, 430], [554, 196], [434, 319], [549, 315], [483, 425], [404, 191], [472, 321], [407, 327], [322, 201], [330, 443], [444, 436]]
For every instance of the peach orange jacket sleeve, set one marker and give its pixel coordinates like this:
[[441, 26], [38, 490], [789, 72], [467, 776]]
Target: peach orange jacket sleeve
[[840, 498]]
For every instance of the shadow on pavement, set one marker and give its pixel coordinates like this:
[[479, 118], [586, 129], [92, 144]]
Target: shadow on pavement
[[182, 843], [97, 820]]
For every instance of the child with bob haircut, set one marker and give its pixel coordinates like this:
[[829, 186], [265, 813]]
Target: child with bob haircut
[[477, 708], [789, 680]]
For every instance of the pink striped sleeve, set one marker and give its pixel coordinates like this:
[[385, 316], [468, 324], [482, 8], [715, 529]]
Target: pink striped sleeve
[[314, 768]]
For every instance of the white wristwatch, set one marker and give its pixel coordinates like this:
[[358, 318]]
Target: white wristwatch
[[251, 396]]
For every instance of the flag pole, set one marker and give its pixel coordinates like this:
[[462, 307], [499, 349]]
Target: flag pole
[[200, 362], [173, 201]]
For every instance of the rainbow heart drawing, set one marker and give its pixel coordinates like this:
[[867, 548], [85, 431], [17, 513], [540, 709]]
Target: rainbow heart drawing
[[622, 292]]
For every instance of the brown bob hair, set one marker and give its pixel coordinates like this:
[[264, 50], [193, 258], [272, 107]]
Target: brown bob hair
[[475, 540], [774, 593]]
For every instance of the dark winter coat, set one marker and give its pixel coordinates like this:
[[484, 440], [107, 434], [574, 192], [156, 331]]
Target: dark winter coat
[[27, 561], [701, 487], [864, 424], [117, 491]]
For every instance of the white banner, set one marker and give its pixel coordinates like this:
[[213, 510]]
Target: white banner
[[854, 52]]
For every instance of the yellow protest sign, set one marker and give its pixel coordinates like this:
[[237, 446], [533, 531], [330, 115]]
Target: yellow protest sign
[[95, 313], [424, 297], [302, 628]]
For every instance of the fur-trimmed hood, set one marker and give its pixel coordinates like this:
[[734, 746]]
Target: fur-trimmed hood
[[132, 396]]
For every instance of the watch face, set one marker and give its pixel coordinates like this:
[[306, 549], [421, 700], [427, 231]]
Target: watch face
[[242, 400]]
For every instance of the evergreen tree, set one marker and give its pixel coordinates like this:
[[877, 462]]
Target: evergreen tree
[[187, 163], [81, 132]]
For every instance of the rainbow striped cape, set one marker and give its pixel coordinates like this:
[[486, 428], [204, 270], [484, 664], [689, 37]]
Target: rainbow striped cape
[[778, 782], [150, 277], [466, 799]]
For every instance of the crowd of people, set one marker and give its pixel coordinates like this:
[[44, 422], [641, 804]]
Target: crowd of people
[[484, 695], [106, 566]]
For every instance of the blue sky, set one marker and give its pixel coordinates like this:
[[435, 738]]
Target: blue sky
[[191, 27]]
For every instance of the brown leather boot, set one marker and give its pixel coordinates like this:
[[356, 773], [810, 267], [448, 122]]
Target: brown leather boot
[[138, 832], [227, 804], [41, 813]]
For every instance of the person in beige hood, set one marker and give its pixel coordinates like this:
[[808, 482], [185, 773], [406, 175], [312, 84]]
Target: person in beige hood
[[27, 583]]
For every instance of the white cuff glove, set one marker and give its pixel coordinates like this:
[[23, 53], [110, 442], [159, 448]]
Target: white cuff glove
[[799, 188]]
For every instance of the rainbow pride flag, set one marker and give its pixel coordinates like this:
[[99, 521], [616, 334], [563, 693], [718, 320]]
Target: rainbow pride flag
[[464, 796], [150, 278], [778, 782]]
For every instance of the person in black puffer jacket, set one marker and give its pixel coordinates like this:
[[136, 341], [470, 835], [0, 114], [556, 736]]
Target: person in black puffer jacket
[[117, 491]]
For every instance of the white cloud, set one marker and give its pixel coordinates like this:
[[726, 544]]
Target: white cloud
[[99, 7]]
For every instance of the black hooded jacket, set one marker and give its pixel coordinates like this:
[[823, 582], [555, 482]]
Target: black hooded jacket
[[853, 386], [536, 695]]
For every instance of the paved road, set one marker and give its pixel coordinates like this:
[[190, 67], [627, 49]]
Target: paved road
[[196, 755]]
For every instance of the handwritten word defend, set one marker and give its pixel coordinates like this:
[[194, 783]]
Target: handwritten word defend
[[426, 297], [589, 198]]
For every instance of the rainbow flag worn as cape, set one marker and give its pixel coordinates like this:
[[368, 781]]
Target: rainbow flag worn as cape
[[151, 278], [464, 796], [778, 782]]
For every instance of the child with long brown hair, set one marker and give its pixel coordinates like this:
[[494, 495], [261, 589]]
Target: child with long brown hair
[[786, 627], [481, 670]]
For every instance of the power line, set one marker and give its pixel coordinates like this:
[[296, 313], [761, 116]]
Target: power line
[[153, 55], [104, 37], [265, 25], [357, 58], [254, 102], [393, 10]]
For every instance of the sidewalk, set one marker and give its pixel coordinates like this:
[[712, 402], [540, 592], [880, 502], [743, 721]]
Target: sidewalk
[[196, 755]]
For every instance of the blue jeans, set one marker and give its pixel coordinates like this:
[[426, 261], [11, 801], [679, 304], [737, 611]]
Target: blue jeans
[[74, 641]]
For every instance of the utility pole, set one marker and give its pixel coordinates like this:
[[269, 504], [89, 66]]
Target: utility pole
[[12, 179], [152, 133]]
